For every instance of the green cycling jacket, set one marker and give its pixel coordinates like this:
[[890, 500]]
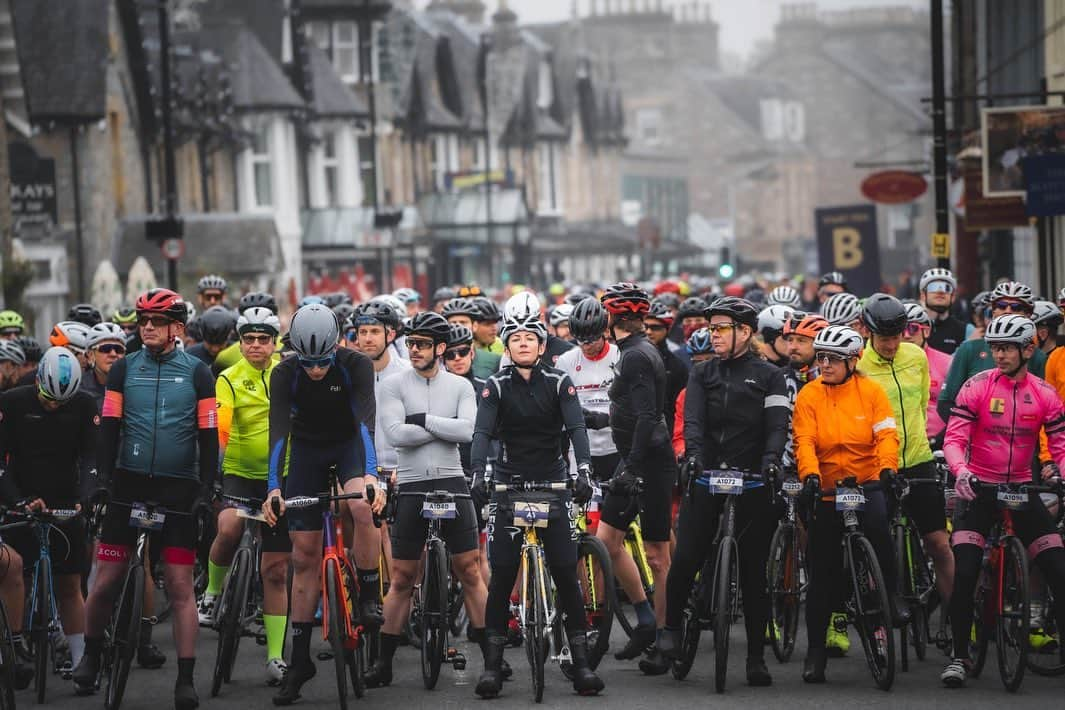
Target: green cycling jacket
[[906, 381]]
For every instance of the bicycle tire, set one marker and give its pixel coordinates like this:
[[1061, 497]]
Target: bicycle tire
[[691, 630], [355, 658], [923, 583], [231, 605], [127, 626], [784, 591], [535, 621], [1011, 623], [39, 635], [1050, 664], [904, 579], [597, 588], [8, 661], [872, 607], [434, 612], [337, 628], [726, 594]]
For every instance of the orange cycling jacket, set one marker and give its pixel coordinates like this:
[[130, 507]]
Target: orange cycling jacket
[[844, 430]]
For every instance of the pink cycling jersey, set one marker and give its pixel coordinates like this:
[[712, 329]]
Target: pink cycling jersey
[[994, 426], [938, 366]]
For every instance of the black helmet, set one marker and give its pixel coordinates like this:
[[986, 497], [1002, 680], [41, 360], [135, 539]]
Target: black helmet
[[194, 330], [738, 309], [833, 278], [588, 320], [577, 296], [257, 299], [216, 324], [487, 310], [625, 299], [444, 293], [459, 307], [459, 334], [660, 311], [690, 307], [884, 314], [343, 311], [375, 313], [332, 300], [430, 324], [668, 298], [30, 348], [85, 313]]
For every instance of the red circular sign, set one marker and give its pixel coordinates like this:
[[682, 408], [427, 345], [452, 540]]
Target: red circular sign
[[894, 187], [173, 248]]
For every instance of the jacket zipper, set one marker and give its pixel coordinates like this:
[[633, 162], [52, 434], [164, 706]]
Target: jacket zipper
[[724, 408], [1013, 431], [902, 414], [155, 429]]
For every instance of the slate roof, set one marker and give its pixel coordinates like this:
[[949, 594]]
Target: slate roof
[[331, 97], [257, 81], [63, 51], [463, 49]]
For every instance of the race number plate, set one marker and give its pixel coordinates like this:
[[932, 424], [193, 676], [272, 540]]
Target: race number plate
[[1014, 500], [531, 515], [249, 514], [141, 517], [850, 500], [791, 488], [445, 510], [725, 483], [950, 496]]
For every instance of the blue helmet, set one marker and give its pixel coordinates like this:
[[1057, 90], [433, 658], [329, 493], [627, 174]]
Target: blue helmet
[[699, 342]]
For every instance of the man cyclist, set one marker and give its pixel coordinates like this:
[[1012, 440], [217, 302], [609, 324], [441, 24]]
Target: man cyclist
[[829, 285], [11, 361], [461, 311], [486, 317], [657, 323], [992, 436], [701, 349], [427, 413], [211, 291], [938, 286], [522, 407], [159, 439], [48, 462], [31, 350], [771, 321], [322, 412], [12, 325], [232, 354], [843, 309], [1047, 318], [243, 395]]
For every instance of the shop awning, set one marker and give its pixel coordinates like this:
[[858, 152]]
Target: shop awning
[[463, 216], [353, 227]]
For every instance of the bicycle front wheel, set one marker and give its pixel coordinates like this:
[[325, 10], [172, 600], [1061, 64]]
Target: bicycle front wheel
[[125, 635], [785, 563], [595, 574], [692, 627], [434, 612], [1011, 624], [534, 598], [42, 612], [337, 628], [872, 612], [1051, 662], [726, 596], [230, 615], [7, 663]]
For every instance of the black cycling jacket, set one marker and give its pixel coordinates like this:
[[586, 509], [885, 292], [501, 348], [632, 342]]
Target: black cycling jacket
[[947, 335], [736, 413], [637, 400], [676, 380]]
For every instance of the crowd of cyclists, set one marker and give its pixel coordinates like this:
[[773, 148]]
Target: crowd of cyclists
[[631, 394]]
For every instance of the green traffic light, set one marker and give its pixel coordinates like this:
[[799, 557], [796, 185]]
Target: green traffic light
[[725, 271]]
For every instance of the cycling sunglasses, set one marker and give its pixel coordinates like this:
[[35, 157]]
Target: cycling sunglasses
[[1015, 306], [457, 353], [829, 358], [939, 287], [111, 349], [914, 328], [721, 327], [420, 344], [156, 321], [590, 341], [257, 338], [321, 362], [351, 336]]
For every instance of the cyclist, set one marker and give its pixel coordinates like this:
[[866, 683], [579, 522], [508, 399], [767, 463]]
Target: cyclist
[[522, 305], [736, 416], [902, 370], [657, 322], [31, 350], [701, 349], [843, 309], [460, 311], [1047, 318], [167, 454], [522, 407], [938, 286], [918, 326], [800, 331], [486, 317], [107, 345], [829, 285], [211, 291], [427, 413], [441, 296], [126, 318], [243, 395], [771, 321], [411, 300], [85, 313], [73, 336], [322, 412], [558, 321], [992, 435], [1055, 367], [843, 426], [980, 314], [785, 296], [48, 455], [11, 361], [232, 354], [216, 328], [11, 325], [637, 403]]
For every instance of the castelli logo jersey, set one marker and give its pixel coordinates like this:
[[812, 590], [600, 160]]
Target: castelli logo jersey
[[592, 379]]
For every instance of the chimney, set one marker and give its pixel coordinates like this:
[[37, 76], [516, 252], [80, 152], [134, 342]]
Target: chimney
[[799, 26], [471, 10]]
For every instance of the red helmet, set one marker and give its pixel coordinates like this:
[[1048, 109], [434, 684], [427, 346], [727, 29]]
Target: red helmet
[[626, 299], [163, 301], [666, 287]]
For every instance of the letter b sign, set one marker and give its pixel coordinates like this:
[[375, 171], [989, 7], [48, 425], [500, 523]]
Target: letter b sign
[[846, 248]]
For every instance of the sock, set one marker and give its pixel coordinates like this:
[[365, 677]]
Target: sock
[[369, 583], [94, 646], [216, 577], [301, 643], [77, 647], [645, 616], [389, 643], [275, 635], [184, 670]]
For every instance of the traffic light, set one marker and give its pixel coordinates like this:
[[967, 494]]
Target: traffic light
[[724, 268]]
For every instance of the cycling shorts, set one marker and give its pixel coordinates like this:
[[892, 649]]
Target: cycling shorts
[[925, 504], [67, 545], [1030, 524], [177, 539], [655, 503], [307, 474], [275, 539], [410, 529]]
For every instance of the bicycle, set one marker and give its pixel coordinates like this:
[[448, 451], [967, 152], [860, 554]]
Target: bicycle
[[1050, 663], [787, 576], [869, 608], [915, 574], [42, 612], [623, 608], [8, 662]]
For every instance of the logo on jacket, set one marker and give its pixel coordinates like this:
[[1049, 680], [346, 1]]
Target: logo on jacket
[[749, 381], [997, 406], [484, 393], [248, 384]]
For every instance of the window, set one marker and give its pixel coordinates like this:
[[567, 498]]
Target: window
[[546, 89], [339, 40], [366, 170], [649, 126], [330, 169], [443, 159], [261, 166], [550, 177]]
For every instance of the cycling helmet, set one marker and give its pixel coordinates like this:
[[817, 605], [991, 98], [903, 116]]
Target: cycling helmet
[[334, 299], [257, 299], [756, 297], [458, 307], [738, 309], [669, 300], [691, 307], [85, 313], [625, 299], [106, 332], [124, 315], [211, 282], [70, 334], [915, 313], [771, 321], [11, 319], [530, 324], [470, 291], [1047, 314], [884, 314], [11, 352], [1061, 298], [839, 339], [375, 313], [407, 295], [666, 287], [832, 278], [487, 310], [1011, 328], [588, 320], [398, 307], [59, 374], [660, 311], [313, 332], [162, 301], [431, 325], [577, 296], [841, 309], [561, 314], [216, 325], [258, 319], [807, 324], [310, 300], [699, 342], [32, 349], [784, 296], [444, 293], [343, 311], [1013, 289], [193, 330], [521, 305], [459, 335], [938, 274]]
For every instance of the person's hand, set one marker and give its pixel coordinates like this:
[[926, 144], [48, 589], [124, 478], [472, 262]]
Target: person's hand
[[1050, 470], [374, 494], [36, 505], [963, 485], [582, 486], [100, 496], [273, 507], [595, 420], [479, 489], [625, 483], [691, 470], [416, 419], [771, 472], [812, 487]]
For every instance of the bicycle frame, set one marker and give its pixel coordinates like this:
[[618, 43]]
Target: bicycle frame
[[335, 553]]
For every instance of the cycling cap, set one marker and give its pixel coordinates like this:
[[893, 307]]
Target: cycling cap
[[407, 295], [531, 324], [884, 314], [258, 319], [625, 299], [806, 324], [589, 319], [693, 307], [313, 332], [938, 274], [257, 299], [459, 334], [1047, 314], [699, 342], [430, 324], [59, 374], [216, 324], [660, 311], [162, 301], [211, 282], [915, 313], [739, 310], [832, 278], [375, 313], [106, 333], [561, 314], [459, 307], [841, 309], [444, 293], [1011, 328], [521, 305], [839, 339], [124, 315], [487, 310], [771, 321], [784, 296], [11, 352], [31, 348], [70, 334], [85, 313], [1015, 290]]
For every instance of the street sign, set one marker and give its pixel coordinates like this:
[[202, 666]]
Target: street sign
[[847, 242], [940, 246], [173, 249], [164, 228], [894, 187]]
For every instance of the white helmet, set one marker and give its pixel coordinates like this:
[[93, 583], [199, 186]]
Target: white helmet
[[915, 313], [106, 332], [839, 339], [522, 305], [1046, 313], [1015, 290], [11, 352], [530, 324], [561, 314], [1011, 328], [59, 374], [771, 321], [258, 320], [784, 296], [841, 309], [938, 274], [70, 334], [397, 305], [314, 332]]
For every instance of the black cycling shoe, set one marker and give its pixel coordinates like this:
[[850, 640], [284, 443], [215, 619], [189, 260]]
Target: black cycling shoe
[[149, 656], [24, 674], [505, 670], [585, 681], [655, 663], [642, 637], [758, 673], [379, 675], [813, 668], [370, 615], [294, 680], [491, 681], [185, 697], [901, 614], [85, 674]]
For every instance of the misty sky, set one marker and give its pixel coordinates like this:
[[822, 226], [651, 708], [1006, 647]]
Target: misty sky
[[742, 21]]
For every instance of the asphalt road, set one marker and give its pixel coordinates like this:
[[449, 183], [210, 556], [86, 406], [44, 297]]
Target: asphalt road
[[849, 685]]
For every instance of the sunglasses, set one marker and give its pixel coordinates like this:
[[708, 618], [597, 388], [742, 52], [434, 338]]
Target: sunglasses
[[1015, 306], [252, 339], [914, 328], [11, 331], [321, 362], [156, 321], [657, 327], [829, 358], [720, 327], [420, 344], [129, 327], [939, 287], [111, 349], [457, 353], [589, 341]]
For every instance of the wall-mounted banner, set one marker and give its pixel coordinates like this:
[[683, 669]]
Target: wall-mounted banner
[[847, 242]]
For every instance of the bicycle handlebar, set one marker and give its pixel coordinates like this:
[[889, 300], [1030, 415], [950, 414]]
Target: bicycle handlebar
[[308, 501], [533, 486], [1053, 485], [425, 494]]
